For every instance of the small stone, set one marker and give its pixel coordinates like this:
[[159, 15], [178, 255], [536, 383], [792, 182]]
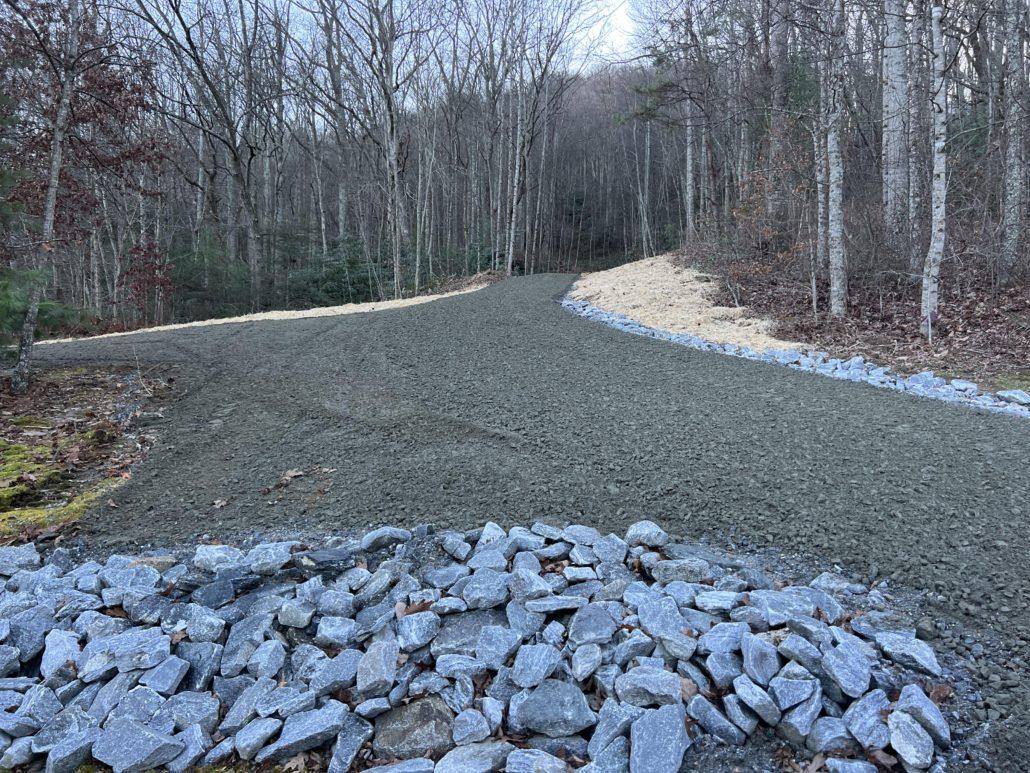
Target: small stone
[[724, 637], [757, 699], [484, 757], [378, 668], [417, 630], [798, 648], [486, 589], [848, 669], [304, 731], [496, 644], [245, 707], [591, 625], [352, 736], [372, 708], [864, 720], [586, 660], [268, 659], [761, 661], [336, 631], [253, 736], [221, 752], [534, 761], [534, 663], [244, 637], [420, 728], [924, 711], [613, 720], [551, 604], [717, 601], [830, 736], [129, 746], [797, 722], [645, 686], [836, 765], [269, 558], [213, 558], [790, 692], [739, 714], [69, 722], [384, 537], [336, 673], [195, 743], [60, 652], [909, 740], [724, 667], [909, 652], [556, 709], [72, 751], [685, 569], [204, 659], [713, 721], [646, 533], [14, 559], [165, 677], [296, 614], [470, 726], [284, 702]]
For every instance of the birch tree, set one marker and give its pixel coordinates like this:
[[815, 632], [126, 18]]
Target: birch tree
[[939, 178]]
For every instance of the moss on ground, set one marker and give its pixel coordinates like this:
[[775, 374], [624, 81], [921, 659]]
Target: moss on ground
[[24, 470], [36, 519]]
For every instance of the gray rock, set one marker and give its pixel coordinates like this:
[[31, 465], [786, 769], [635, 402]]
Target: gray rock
[[534, 761], [797, 722], [761, 661], [486, 589], [790, 692], [134, 649], [420, 728], [493, 710], [69, 722], [17, 754], [496, 644], [470, 726], [658, 740], [459, 633], [268, 659], [60, 653], [221, 752], [213, 558], [636, 645], [416, 630], [10, 659], [384, 537], [645, 686], [204, 659], [909, 652], [482, 757], [830, 736], [491, 558], [378, 668], [72, 752], [295, 613], [189, 708], [848, 669], [525, 584], [352, 736], [195, 744], [372, 708], [610, 549], [243, 639], [444, 576], [586, 660], [15, 558], [108, 696], [613, 720], [128, 746], [714, 721], [409, 766], [797, 648], [166, 676], [757, 699], [245, 707], [556, 709], [270, 557], [724, 667], [591, 625], [835, 765], [581, 535], [284, 702], [910, 741], [304, 731], [614, 758], [864, 720], [717, 601], [646, 533], [534, 663], [685, 569], [460, 695], [724, 637], [924, 711], [253, 736], [551, 604], [337, 673], [336, 631], [140, 704]]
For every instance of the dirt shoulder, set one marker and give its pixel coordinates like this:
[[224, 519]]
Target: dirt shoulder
[[661, 294]]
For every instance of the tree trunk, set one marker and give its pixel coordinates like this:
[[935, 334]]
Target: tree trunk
[[939, 185], [20, 374], [1015, 176], [835, 162], [895, 136]]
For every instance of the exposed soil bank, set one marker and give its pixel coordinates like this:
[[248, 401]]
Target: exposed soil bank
[[500, 401]]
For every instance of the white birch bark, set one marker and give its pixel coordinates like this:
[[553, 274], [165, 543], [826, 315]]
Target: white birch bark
[[835, 163], [939, 178], [1015, 175], [895, 135]]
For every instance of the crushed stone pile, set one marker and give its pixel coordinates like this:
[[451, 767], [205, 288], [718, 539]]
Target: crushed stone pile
[[528, 650], [1014, 402]]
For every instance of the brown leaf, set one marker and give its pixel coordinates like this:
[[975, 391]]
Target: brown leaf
[[941, 692], [817, 763], [883, 759]]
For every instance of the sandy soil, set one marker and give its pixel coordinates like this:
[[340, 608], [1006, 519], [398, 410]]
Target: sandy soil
[[662, 295], [264, 316]]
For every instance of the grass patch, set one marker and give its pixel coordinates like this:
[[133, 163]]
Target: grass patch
[[25, 471], [27, 521]]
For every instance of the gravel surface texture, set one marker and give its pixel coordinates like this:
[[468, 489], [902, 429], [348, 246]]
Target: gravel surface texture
[[500, 401]]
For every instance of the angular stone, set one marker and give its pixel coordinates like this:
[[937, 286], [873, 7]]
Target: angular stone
[[645, 686], [60, 652], [420, 728], [790, 692], [534, 663], [18, 753], [761, 661], [129, 746], [204, 659], [14, 559], [243, 639], [717, 601], [613, 720], [591, 625], [636, 645], [245, 707], [739, 714], [189, 708], [417, 630], [454, 666], [486, 589], [195, 744], [864, 720], [213, 558], [830, 736], [304, 731], [140, 704], [72, 751], [69, 722], [797, 648], [724, 667], [835, 765], [484, 757], [724, 637], [534, 761], [384, 537], [270, 557], [470, 726], [550, 604], [714, 721], [910, 741], [684, 569], [285, 702], [556, 709], [459, 633], [797, 722], [586, 660], [295, 613], [848, 669], [909, 652], [924, 711], [337, 673], [525, 584], [221, 752], [166, 676], [610, 549], [378, 668], [409, 766], [496, 644], [646, 533], [268, 659], [134, 649], [253, 736], [372, 708], [352, 736], [757, 699]]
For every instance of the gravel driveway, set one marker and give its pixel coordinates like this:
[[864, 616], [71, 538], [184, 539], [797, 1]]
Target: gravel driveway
[[500, 405]]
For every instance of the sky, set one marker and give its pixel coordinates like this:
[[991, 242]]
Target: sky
[[615, 29]]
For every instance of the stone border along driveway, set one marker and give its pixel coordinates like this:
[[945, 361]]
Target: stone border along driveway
[[528, 650], [1012, 402]]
